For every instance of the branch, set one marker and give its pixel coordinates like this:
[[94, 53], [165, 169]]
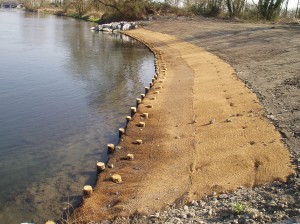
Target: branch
[[110, 5], [254, 4]]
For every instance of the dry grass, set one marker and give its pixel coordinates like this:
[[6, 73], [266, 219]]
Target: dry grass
[[78, 216]]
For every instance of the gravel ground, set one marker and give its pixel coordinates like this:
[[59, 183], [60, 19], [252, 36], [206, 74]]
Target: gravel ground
[[273, 203]]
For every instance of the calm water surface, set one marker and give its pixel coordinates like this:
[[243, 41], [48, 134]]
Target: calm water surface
[[64, 92]]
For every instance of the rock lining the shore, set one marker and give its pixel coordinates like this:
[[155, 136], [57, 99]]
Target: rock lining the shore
[[115, 27]]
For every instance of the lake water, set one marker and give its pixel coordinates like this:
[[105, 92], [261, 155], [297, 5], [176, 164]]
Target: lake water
[[64, 92]]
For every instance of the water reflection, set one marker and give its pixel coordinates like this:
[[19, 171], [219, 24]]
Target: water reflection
[[60, 106], [120, 68]]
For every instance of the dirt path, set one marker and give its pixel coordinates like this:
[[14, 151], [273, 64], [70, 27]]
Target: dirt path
[[205, 133]]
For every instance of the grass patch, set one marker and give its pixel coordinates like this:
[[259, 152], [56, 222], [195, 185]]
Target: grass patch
[[238, 208]]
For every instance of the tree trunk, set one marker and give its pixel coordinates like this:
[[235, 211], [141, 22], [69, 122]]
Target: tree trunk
[[269, 9], [235, 7], [286, 7], [297, 10]]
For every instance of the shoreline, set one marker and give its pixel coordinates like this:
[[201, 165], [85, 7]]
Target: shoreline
[[121, 202]]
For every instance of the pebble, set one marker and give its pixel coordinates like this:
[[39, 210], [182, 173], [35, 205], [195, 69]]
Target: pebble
[[223, 196], [191, 214], [155, 215], [194, 203], [182, 216]]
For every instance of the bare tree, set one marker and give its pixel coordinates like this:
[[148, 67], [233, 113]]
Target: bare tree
[[206, 7], [127, 9], [112, 4], [269, 9], [286, 8], [81, 6], [235, 7], [297, 14]]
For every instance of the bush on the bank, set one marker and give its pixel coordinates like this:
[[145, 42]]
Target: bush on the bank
[[126, 9], [250, 13], [131, 10], [158, 8], [263, 10], [81, 7], [235, 7], [94, 19], [209, 8], [269, 9]]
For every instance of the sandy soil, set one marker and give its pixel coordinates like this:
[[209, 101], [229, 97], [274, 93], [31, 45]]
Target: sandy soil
[[206, 131]]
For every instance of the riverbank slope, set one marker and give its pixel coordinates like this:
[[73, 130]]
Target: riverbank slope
[[206, 133]]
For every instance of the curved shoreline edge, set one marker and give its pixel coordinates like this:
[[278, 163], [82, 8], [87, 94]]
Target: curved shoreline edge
[[202, 136]]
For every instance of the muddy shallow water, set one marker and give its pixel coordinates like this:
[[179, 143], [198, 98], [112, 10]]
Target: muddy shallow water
[[64, 92]]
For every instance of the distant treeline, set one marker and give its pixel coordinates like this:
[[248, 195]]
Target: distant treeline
[[113, 10]]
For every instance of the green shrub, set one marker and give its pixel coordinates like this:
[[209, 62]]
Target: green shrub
[[94, 19], [238, 208]]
